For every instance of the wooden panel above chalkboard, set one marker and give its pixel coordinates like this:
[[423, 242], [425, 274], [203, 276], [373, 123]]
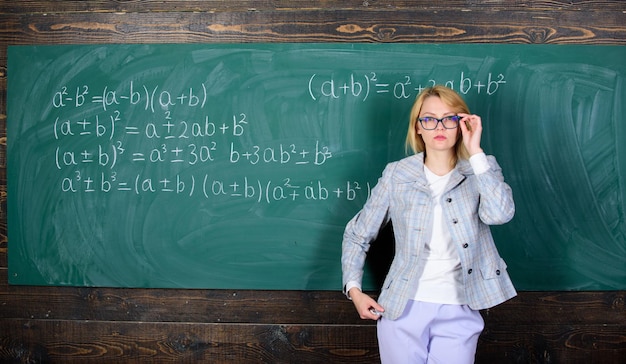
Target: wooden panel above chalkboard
[[238, 165]]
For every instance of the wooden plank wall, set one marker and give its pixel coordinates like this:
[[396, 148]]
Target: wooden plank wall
[[83, 325]]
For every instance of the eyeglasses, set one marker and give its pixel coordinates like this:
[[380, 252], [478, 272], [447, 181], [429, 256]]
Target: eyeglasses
[[448, 122]]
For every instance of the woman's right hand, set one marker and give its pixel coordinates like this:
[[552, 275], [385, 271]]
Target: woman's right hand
[[366, 306]]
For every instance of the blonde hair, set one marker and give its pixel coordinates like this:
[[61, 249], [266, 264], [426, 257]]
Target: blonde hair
[[449, 97]]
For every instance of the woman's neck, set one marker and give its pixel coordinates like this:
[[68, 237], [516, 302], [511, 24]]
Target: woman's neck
[[440, 163]]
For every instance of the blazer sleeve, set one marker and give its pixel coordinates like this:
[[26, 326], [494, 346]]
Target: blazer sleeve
[[496, 197], [363, 228]]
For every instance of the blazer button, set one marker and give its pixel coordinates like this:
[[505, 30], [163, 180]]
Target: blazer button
[[465, 245], [448, 200], [497, 272], [469, 271], [454, 221]]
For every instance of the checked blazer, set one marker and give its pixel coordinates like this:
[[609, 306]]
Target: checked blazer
[[470, 203]]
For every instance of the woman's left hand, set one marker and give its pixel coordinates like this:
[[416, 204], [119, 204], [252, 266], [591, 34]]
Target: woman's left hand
[[472, 129]]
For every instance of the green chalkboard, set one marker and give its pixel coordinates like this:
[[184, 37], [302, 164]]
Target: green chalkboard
[[238, 165]]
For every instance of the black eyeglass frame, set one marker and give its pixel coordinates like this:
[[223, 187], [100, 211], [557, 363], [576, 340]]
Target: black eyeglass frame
[[454, 118]]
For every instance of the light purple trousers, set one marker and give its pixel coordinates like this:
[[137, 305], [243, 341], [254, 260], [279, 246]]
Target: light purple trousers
[[430, 333]]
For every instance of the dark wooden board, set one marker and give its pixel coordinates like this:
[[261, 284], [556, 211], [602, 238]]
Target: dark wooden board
[[53, 324], [96, 341]]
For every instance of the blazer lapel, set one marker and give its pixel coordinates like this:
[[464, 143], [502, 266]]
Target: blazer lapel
[[462, 170], [411, 171]]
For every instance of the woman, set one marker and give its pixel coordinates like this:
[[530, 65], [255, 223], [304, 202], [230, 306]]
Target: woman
[[446, 267]]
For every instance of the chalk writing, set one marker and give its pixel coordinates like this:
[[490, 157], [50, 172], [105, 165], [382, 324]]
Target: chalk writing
[[161, 137], [166, 139], [150, 98], [363, 86], [207, 186]]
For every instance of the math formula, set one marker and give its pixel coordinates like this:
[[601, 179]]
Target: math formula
[[147, 139], [363, 86], [159, 151]]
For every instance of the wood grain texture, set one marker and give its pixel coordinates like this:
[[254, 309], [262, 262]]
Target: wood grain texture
[[425, 26], [141, 342], [551, 344], [82, 325], [73, 6], [124, 325], [296, 307]]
